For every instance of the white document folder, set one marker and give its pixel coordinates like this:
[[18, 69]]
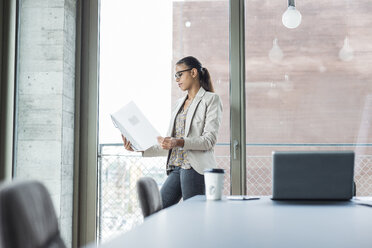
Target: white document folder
[[135, 127]]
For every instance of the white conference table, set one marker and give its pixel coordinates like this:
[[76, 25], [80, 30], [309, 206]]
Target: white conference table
[[253, 223]]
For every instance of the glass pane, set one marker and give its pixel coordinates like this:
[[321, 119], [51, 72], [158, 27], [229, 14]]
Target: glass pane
[[308, 88], [139, 47]]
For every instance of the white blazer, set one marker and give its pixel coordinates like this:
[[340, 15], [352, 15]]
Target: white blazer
[[203, 120]]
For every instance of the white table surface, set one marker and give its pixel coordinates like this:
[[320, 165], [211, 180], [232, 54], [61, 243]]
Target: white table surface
[[253, 223]]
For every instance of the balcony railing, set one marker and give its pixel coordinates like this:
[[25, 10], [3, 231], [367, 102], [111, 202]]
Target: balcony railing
[[119, 170]]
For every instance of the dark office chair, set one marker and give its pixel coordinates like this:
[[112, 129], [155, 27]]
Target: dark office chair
[[149, 196], [27, 216]]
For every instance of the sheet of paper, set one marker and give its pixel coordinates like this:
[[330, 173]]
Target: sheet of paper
[[242, 197], [363, 200], [133, 124]]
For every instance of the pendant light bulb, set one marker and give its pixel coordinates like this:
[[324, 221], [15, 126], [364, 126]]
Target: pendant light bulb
[[276, 54], [346, 52], [291, 18]]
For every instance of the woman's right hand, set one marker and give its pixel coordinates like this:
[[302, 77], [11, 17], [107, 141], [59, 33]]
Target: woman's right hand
[[127, 144]]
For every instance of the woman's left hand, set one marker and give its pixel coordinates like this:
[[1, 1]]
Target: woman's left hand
[[167, 143]]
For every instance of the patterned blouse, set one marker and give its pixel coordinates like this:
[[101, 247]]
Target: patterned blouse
[[178, 156]]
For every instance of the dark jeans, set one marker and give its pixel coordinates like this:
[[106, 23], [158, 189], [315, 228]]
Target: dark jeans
[[181, 183]]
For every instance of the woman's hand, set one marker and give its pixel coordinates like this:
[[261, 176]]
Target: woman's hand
[[168, 143], [127, 144]]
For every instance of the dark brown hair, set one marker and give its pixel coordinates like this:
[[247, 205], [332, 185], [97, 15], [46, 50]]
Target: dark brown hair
[[204, 76]]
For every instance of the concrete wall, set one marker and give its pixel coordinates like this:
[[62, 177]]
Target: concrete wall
[[45, 105]]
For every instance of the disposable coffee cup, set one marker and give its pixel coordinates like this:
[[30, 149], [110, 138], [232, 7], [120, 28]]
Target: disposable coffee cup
[[213, 183]]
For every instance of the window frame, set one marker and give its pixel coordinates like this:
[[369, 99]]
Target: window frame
[[86, 114], [8, 69], [86, 123]]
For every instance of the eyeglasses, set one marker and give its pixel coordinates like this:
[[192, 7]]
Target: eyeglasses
[[178, 74]]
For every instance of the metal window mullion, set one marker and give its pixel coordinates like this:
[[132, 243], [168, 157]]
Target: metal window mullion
[[86, 123], [8, 69], [237, 96]]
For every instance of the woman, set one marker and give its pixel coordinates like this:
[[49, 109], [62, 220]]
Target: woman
[[191, 136]]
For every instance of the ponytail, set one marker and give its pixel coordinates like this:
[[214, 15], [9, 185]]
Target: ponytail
[[204, 76], [205, 79]]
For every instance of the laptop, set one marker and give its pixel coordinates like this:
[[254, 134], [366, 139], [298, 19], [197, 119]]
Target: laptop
[[313, 175]]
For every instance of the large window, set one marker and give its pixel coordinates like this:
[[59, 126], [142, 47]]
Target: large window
[[308, 88], [140, 41]]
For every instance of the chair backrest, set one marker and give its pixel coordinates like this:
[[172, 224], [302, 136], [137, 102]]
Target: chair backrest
[[27, 216], [149, 196]]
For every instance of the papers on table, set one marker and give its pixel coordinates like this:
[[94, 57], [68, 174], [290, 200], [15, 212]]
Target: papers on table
[[135, 127], [363, 200], [242, 197]]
